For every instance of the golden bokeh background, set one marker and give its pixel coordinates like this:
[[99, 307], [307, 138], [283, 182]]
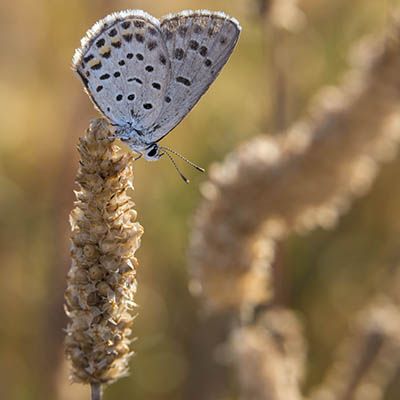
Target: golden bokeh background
[[327, 275]]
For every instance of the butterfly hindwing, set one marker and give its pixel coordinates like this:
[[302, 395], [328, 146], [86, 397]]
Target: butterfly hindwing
[[199, 44]]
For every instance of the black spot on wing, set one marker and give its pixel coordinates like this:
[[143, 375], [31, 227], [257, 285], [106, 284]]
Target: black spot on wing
[[197, 29], [128, 37], [100, 43], [126, 24], [183, 80], [168, 34], [139, 37], [138, 24], [179, 53], [182, 30], [152, 45], [137, 80], [96, 66], [106, 54], [87, 58], [193, 44], [203, 51]]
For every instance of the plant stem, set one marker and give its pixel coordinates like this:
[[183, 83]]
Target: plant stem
[[97, 392]]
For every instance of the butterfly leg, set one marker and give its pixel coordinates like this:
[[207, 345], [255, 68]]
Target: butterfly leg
[[138, 157], [110, 138], [122, 136]]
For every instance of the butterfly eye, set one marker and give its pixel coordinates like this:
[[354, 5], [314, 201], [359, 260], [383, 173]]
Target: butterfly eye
[[152, 152]]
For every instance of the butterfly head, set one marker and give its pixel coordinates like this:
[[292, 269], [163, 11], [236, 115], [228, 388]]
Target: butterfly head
[[152, 153]]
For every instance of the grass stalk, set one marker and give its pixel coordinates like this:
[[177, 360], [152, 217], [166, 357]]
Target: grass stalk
[[96, 391]]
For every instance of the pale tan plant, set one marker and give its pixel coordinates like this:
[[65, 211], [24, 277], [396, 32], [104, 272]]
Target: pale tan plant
[[102, 278], [369, 359], [269, 356], [271, 186]]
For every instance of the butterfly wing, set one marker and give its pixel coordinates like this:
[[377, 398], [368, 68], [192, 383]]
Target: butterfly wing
[[124, 64], [199, 44]]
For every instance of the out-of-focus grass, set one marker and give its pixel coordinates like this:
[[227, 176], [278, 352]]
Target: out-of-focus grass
[[43, 110]]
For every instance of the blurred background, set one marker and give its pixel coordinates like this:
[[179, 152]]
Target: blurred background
[[328, 275]]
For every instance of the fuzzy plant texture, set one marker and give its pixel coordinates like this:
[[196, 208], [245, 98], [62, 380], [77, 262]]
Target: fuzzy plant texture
[[102, 278], [297, 181]]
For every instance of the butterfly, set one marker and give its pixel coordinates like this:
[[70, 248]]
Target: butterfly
[[145, 75]]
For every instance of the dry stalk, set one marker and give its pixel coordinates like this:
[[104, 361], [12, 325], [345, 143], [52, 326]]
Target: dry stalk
[[368, 360], [96, 391], [102, 277], [269, 187], [278, 17], [282, 14], [269, 357]]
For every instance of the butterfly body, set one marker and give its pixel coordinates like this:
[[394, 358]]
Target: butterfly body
[[145, 75]]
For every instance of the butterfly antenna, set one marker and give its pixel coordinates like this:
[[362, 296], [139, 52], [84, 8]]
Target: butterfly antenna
[[186, 180], [183, 158]]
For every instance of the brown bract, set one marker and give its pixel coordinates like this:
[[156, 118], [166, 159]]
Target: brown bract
[[102, 277]]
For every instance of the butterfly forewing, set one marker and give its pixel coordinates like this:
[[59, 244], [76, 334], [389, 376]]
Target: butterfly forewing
[[199, 44], [125, 67]]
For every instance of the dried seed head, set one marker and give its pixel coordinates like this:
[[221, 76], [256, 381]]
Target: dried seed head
[[269, 187], [286, 14], [270, 356], [368, 360], [102, 277]]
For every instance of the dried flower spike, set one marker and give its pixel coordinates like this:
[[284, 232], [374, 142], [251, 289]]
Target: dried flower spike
[[269, 356], [102, 277], [269, 187], [367, 361]]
